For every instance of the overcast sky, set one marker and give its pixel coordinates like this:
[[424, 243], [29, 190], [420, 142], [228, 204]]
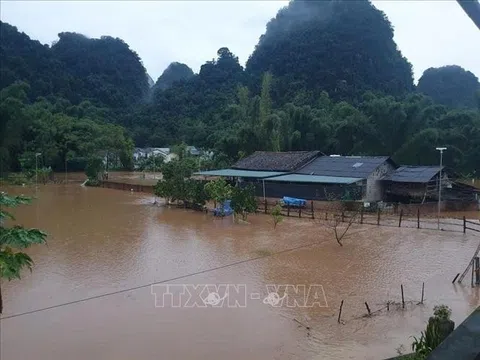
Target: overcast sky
[[429, 33]]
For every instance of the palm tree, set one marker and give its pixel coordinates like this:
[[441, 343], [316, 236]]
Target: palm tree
[[13, 239]]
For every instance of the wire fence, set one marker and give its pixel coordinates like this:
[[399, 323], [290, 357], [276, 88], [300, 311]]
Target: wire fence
[[414, 219]]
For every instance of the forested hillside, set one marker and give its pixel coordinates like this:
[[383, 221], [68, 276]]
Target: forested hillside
[[175, 72], [326, 75], [451, 86]]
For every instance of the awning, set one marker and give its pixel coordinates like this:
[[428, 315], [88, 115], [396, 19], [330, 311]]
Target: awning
[[240, 173], [300, 178]]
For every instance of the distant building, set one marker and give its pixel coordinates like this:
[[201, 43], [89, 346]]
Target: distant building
[[165, 153]]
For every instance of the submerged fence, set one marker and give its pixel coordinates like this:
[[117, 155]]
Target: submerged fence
[[379, 217]]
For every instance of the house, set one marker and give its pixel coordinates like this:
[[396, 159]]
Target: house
[[363, 171], [165, 153], [308, 175], [421, 184], [262, 165]]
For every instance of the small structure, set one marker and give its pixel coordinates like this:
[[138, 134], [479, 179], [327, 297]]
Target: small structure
[[421, 183]]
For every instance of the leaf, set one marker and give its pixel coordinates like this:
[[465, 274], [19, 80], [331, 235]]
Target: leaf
[[19, 237], [12, 263]]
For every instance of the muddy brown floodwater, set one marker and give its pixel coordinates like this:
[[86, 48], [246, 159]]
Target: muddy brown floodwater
[[104, 241]]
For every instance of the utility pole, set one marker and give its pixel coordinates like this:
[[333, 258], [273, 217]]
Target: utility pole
[[441, 149], [36, 168]]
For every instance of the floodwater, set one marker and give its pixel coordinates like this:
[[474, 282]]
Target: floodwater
[[102, 242]]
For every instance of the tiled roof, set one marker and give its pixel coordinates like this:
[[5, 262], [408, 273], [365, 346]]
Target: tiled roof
[[276, 161]]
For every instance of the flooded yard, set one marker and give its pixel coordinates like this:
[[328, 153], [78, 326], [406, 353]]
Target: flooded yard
[[90, 294]]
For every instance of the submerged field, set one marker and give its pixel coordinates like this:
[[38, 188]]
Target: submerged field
[[76, 303]]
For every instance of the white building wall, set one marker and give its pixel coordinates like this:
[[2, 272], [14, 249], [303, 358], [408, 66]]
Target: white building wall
[[374, 190]]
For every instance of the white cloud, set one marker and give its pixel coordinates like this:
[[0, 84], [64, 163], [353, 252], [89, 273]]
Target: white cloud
[[428, 33]]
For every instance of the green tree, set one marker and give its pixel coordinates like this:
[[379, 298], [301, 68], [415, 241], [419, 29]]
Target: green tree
[[243, 200], [174, 184], [94, 169], [276, 214], [13, 240], [219, 191]]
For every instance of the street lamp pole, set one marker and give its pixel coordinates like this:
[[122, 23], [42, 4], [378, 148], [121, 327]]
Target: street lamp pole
[[36, 168], [441, 149]]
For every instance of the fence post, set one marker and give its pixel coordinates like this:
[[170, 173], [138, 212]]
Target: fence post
[[300, 212], [288, 210], [403, 299], [400, 219], [340, 312], [464, 224], [265, 204], [311, 205], [343, 216], [326, 215], [378, 216], [361, 215], [423, 292], [418, 218]]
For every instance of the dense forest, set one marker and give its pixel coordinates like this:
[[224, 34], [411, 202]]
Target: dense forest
[[326, 75]]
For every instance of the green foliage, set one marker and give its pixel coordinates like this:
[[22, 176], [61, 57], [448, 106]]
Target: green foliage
[[43, 174], [243, 200], [276, 214], [195, 196], [219, 190], [325, 76], [93, 169], [65, 135], [175, 184], [13, 239], [451, 86], [342, 47], [105, 71], [174, 73], [438, 328]]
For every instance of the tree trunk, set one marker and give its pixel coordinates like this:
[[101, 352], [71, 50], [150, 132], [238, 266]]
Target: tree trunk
[[1, 300]]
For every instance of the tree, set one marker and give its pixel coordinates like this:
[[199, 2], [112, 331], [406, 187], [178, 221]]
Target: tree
[[243, 200], [174, 185], [13, 239], [219, 191], [94, 169], [276, 214]]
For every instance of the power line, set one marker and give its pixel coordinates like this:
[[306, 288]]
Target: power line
[[155, 283]]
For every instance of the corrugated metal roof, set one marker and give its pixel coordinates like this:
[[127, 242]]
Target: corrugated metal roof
[[344, 166], [276, 161], [239, 173], [413, 174], [314, 179]]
